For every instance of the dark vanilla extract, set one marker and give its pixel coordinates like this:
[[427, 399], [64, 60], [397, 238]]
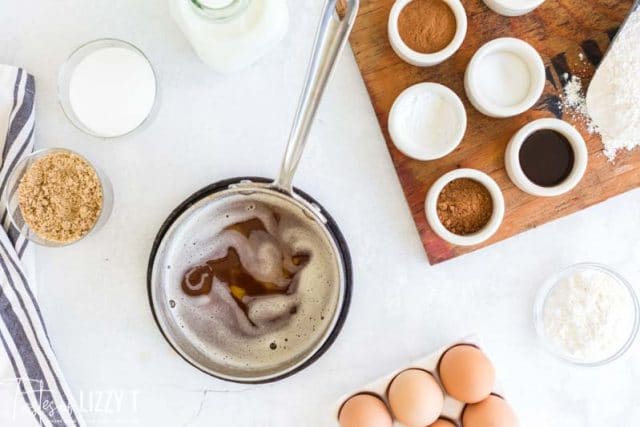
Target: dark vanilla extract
[[547, 158]]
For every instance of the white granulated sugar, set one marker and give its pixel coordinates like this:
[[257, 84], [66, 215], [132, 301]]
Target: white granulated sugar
[[589, 315], [613, 99], [503, 79]]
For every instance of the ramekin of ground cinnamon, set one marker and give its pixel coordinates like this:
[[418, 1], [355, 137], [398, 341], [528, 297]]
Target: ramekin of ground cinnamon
[[426, 32], [465, 207], [55, 197]]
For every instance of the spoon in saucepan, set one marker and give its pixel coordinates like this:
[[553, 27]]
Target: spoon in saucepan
[[206, 334]]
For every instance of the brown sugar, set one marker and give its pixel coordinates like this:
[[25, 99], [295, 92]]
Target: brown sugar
[[464, 206], [427, 26], [60, 197]]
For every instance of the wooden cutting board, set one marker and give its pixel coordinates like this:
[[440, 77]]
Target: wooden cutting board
[[571, 36]]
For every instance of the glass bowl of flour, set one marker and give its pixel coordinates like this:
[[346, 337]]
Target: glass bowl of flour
[[107, 88], [587, 315]]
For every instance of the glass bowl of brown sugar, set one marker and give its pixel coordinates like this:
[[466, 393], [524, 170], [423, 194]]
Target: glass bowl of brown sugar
[[55, 197]]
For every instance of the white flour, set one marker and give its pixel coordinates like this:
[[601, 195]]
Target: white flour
[[589, 315], [613, 98], [574, 103]]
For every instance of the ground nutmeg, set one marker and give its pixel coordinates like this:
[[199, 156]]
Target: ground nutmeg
[[427, 26], [464, 206]]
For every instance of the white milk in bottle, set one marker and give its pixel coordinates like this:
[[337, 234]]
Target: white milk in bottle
[[230, 35]]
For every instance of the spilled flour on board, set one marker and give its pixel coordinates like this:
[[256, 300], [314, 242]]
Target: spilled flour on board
[[611, 105], [574, 103]]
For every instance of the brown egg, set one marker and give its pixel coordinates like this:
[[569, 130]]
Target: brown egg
[[415, 398], [364, 410], [491, 412], [467, 374], [442, 422]]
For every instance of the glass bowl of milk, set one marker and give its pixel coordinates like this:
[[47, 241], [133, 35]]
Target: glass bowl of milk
[[107, 88]]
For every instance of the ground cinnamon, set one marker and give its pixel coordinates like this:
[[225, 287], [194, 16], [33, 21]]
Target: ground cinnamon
[[427, 26], [465, 206]]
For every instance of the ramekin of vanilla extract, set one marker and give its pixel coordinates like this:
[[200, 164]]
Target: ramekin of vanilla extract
[[546, 158]]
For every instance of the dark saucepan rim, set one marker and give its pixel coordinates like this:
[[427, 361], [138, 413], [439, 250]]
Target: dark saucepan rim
[[331, 226]]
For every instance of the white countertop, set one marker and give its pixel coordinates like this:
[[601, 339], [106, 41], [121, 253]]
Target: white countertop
[[207, 128]]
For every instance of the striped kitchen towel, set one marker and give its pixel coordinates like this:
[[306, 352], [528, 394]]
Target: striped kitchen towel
[[22, 331]]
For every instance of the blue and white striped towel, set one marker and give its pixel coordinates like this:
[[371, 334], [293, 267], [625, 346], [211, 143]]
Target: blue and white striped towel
[[22, 331]]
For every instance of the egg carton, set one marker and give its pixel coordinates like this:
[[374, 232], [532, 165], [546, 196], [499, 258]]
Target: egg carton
[[452, 408]]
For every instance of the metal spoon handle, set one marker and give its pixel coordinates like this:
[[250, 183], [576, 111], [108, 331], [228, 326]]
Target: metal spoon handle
[[331, 36]]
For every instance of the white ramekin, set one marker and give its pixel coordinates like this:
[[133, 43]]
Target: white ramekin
[[426, 59], [431, 207], [511, 8], [514, 169], [422, 149], [535, 65]]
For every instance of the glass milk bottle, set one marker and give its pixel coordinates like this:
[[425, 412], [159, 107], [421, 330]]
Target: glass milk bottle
[[230, 35]]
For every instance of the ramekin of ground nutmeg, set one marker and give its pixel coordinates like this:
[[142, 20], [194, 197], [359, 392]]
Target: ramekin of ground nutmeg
[[56, 197], [465, 207]]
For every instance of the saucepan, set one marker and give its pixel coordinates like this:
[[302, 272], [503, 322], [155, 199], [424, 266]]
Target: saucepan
[[258, 338]]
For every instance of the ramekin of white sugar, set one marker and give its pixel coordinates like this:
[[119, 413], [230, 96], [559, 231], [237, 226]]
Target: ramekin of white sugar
[[513, 7], [505, 77], [427, 121], [587, 315]]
